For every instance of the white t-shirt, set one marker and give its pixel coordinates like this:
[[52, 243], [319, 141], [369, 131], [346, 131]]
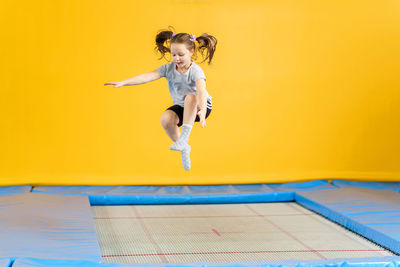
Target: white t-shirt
[[181, 84]]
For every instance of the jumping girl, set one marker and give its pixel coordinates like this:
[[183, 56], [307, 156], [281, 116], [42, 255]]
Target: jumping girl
[[186, 83]]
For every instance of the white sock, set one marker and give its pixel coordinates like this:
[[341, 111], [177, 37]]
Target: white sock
[[183, 138], [185, 153]]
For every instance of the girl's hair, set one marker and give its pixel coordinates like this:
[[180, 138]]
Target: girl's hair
[[206, 42]]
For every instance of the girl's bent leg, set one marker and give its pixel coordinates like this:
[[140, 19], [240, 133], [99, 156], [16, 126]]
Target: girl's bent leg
[[190, 111], [189, 116], [169, 121]]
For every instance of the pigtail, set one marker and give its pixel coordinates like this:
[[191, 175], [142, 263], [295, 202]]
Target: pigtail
[[209, 43], [162, 37]]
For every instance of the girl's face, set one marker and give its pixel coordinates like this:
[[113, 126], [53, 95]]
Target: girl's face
[[180, 55]]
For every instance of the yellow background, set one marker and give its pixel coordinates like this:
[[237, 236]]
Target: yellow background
[[302, 90]]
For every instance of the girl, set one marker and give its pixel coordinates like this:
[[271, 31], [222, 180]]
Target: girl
[[186, 83]]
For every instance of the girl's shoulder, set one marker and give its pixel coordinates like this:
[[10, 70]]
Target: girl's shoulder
[[197, 66], [166, 68]]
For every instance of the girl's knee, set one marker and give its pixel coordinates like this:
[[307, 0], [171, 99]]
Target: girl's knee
[[169, 118], [191, 98]]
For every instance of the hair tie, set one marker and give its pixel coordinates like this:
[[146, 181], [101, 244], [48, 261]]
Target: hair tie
[[173, 34]]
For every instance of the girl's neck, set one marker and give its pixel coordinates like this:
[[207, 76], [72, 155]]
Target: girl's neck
[[182, 69]]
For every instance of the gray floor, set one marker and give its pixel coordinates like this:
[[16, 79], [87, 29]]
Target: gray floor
[[223, 233]]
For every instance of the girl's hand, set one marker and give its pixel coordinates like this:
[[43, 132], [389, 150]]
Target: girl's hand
[[202, 115], [116, 84]]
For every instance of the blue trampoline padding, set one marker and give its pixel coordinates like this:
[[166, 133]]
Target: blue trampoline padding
[[304, 186], [374, 214], [374, 185], [125, 195], [207, 194], [7, 190], [5, 262], [47, 226], [340, 262], [387, 261]]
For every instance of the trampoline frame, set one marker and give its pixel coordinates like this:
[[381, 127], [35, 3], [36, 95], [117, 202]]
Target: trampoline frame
[[305, 194]]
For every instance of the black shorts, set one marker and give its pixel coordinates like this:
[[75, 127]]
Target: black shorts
[[179, 111]]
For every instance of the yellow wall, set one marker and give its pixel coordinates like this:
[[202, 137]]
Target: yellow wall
[[302, 90]]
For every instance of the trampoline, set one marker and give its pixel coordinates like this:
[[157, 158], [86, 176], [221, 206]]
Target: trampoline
[[314, 223], [223, 233]]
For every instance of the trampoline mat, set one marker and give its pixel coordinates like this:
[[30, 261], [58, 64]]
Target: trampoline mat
[[223, 233]]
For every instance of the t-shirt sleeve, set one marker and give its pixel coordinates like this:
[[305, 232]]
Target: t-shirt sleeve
[[198, 74], [162, 70]]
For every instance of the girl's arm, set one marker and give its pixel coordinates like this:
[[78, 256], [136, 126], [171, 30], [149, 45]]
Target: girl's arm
[[138, 79], [201, 89], [142, 78]]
